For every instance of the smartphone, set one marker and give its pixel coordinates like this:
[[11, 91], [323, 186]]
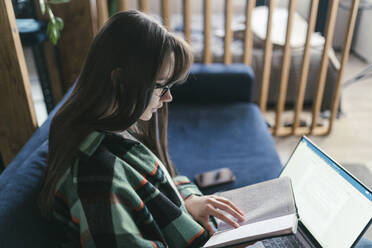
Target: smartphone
[[214, 178]]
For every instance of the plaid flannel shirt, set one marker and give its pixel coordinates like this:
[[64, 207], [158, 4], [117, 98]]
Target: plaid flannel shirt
[[117, 195]]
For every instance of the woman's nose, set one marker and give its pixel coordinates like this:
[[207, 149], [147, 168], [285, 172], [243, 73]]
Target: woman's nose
[[167, 97]]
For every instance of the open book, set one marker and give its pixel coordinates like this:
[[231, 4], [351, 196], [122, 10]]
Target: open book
[[269, 209]]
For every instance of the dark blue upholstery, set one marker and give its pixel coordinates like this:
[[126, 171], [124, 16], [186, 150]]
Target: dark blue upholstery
[[213, 124], [20, 222], [230, 135], [216, 83]]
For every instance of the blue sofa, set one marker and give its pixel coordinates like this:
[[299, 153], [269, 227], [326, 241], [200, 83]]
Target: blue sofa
[[212, 124]]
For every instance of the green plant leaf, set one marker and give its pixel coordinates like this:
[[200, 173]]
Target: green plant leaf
[[51, 15], [54, 35], [58, 1], [59, 23], [42, 6], [55, 24]]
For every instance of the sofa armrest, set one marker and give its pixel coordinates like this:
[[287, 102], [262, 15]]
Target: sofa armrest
[[216, 83]]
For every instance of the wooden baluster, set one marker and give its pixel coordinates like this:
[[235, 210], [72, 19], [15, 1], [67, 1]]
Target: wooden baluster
[[122, 5], [248, 37], [165, 12], [207, 32], [80, 26], [286, 59], [345, 55], [102, 12], [305, 66], [17, 114], [187, 20], [228, 33], [143, 6], [330, 23], [267, 60]]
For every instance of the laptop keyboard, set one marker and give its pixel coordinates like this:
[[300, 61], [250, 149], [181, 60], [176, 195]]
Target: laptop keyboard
[[290, 241]]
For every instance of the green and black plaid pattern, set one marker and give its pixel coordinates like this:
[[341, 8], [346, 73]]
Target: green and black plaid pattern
[[117, 195]]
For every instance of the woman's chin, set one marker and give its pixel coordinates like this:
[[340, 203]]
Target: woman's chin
[[146, 117]]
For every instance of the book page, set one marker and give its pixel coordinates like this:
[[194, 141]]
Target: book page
[[262, 201], [255, 231]]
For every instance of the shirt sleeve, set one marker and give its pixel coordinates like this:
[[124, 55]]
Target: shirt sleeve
[[113, 225], [186, 187], [121, 201], [113, 214]]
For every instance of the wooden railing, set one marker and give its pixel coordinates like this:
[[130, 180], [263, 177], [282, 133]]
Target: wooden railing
[[84, 17], [17, 113], [278, 128]]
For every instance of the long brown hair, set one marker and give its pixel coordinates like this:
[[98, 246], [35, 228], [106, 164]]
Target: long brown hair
[[113, 90]]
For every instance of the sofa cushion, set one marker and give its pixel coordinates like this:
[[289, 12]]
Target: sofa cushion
[[234, 135], [20, 221], [216, 83]]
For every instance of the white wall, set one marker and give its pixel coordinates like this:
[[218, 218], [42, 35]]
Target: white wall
[[363, 40], [340, 27], [362, 35]]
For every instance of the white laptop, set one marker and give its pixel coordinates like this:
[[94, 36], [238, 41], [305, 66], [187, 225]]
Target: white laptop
[[334, 208]]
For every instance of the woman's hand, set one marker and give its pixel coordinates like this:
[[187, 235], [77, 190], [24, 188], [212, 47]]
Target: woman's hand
[[202, 207]]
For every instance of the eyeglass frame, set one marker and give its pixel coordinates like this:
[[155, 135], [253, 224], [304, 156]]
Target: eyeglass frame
[[165, 89]]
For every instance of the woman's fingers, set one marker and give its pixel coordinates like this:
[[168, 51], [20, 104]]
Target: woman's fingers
[[228, 202], [201, 207], [208, 227], [217, 213], [228, 208]]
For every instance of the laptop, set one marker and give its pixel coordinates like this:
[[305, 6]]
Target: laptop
[[334, 208]]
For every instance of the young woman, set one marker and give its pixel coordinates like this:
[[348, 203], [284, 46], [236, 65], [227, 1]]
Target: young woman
[[109, 181]]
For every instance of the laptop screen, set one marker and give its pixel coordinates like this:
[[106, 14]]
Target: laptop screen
[[331, 204]]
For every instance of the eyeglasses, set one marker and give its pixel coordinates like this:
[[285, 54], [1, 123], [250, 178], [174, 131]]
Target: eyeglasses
[[164, 89]]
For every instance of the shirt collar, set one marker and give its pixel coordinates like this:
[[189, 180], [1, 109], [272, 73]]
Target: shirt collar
[[91, 142]]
